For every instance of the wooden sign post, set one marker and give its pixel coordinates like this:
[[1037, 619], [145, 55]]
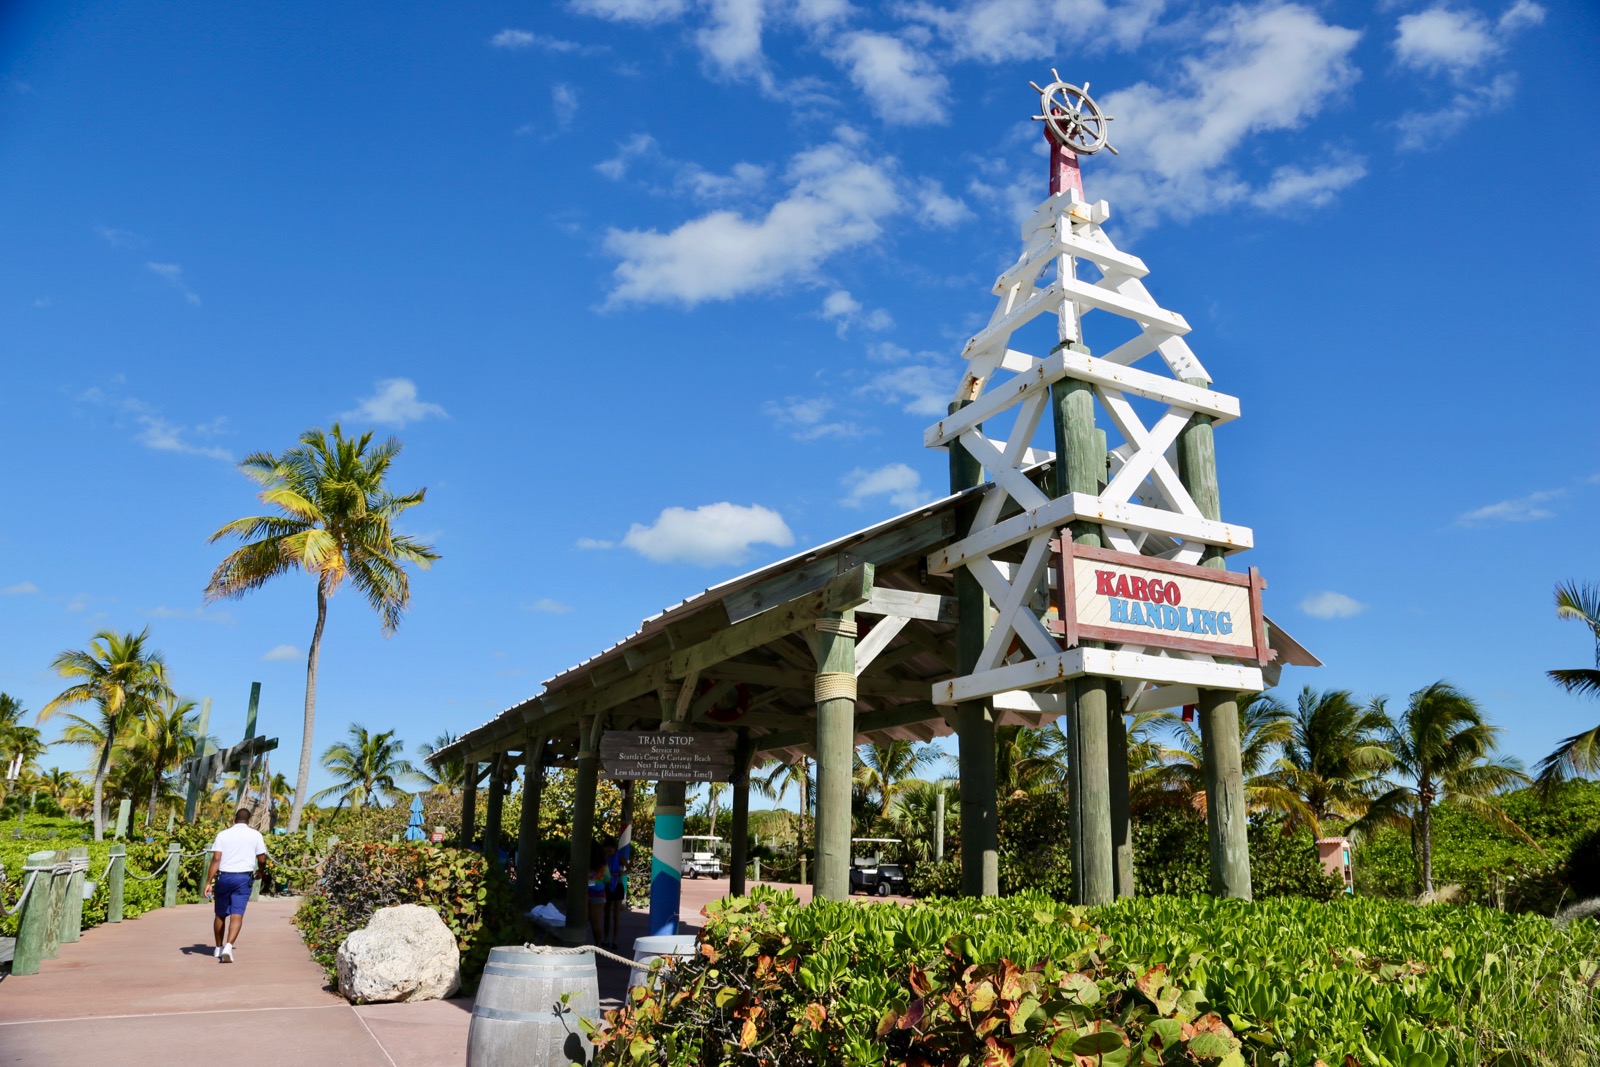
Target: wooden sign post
[[203, 769]]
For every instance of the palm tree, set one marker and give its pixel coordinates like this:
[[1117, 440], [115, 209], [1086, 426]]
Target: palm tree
[[1443, 744], [367, 767], [776, 783], [882, 768], [1334, 759], [166, 740], [17, 739], [1580, 753], [337, 522], [1029, 760], [1264, 728], [450, 777], [114, 672]]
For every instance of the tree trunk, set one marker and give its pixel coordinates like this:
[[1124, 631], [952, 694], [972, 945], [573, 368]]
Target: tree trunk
[[1425, 835], [100, 784], [150, 808], [302, 782]]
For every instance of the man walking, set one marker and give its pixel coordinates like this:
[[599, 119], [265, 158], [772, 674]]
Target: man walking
[[238, 857]]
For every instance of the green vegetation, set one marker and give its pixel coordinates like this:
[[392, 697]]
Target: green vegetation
[[1580, 753], [470, 894], [367, 767], [1029, 982], [336, 522]]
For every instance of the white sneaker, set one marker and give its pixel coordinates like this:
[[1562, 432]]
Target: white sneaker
[[226, 955], [217, 952]]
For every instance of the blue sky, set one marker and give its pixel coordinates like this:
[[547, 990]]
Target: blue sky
[[656, 292]]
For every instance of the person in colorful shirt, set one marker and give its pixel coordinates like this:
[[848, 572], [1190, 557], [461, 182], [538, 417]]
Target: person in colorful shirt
[[618, 853]]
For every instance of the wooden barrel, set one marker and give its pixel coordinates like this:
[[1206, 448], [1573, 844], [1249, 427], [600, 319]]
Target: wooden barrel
[[518, 1019]]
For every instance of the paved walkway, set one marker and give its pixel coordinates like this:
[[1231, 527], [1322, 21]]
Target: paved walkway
[[148, 993]]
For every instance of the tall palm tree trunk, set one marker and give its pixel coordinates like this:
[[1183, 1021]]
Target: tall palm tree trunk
[[100, 786], [1425, 834], [302, 786]]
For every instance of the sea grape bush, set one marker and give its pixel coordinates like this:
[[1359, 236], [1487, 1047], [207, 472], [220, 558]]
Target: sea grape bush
[[1027, 982], [471, 896]]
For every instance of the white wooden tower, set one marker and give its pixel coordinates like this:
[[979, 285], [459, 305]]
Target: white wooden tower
[[1148, 388]]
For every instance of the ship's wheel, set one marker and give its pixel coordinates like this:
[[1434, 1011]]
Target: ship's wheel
[[1075, 121]]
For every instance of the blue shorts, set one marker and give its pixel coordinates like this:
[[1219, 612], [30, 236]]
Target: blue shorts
[[232, 892]]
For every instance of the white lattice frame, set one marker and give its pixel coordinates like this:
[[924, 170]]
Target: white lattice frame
[[1145, 498]]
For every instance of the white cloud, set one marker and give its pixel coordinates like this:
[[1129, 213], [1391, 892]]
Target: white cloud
[[222, 618], [940, 208], [836, 201], [845, 311], [591, 544], [1442, 40], [1421, 130], [901, 485], [1331, 605], [708, 535], [920, 389], [1000, 31], [547, 606], [1258, 70], [280, 652], [732, 42], [79, 602], [630, 10], [173, 274], [159, 433], [513, 39], [394, 403], [1291, 185], [117, 238], [806, 418], [20, 589], [564, 103], [903, 87], [635, 147], [1528, 508]]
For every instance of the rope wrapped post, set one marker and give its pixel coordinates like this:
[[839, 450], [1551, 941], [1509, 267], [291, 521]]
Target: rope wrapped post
[[55, 884], [34, 904], [114, 878], [72, 905], [169, 899]]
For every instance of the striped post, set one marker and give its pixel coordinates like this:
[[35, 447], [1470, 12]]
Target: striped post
[[72, 903], [115, 874], [170, 898], [666, 859], [34, 915]]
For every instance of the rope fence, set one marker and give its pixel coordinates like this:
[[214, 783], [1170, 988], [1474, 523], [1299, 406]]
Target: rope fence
[[33, 876], [554, 950]]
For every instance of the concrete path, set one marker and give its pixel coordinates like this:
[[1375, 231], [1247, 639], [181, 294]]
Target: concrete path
[[147, 993]]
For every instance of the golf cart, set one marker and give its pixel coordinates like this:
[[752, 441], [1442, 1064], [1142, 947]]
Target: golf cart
[[870, 874], [700, 857]]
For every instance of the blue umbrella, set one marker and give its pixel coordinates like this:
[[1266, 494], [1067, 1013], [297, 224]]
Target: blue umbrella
[[414, 826]]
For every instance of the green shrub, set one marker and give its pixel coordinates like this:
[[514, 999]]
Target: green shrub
[[1025, 981], [470, 895], [138, 896]]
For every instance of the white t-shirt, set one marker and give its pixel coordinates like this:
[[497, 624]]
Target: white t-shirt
[[239, 845]]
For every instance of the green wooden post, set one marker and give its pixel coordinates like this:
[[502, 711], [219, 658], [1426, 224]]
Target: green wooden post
[[528, 832], [495, 812], [115, 875], [246, 767], [582, 828], [980, 816], [1080, 465], [55, 882], [169, 899], [1228, 830], [469, 805], [311, 833], [124, 810], [72, 901], [835, 691], [739, 856], [31, 923]]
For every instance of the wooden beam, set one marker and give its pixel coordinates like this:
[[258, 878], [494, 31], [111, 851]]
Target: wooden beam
[[840, 594], [814, 574], [866, 722], [1101, 661], [908, 604]]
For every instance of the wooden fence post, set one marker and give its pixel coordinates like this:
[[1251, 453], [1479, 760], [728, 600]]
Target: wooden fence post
[[55, 882], [35, 914], [170, 898], [115, 873], [72, 902]]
